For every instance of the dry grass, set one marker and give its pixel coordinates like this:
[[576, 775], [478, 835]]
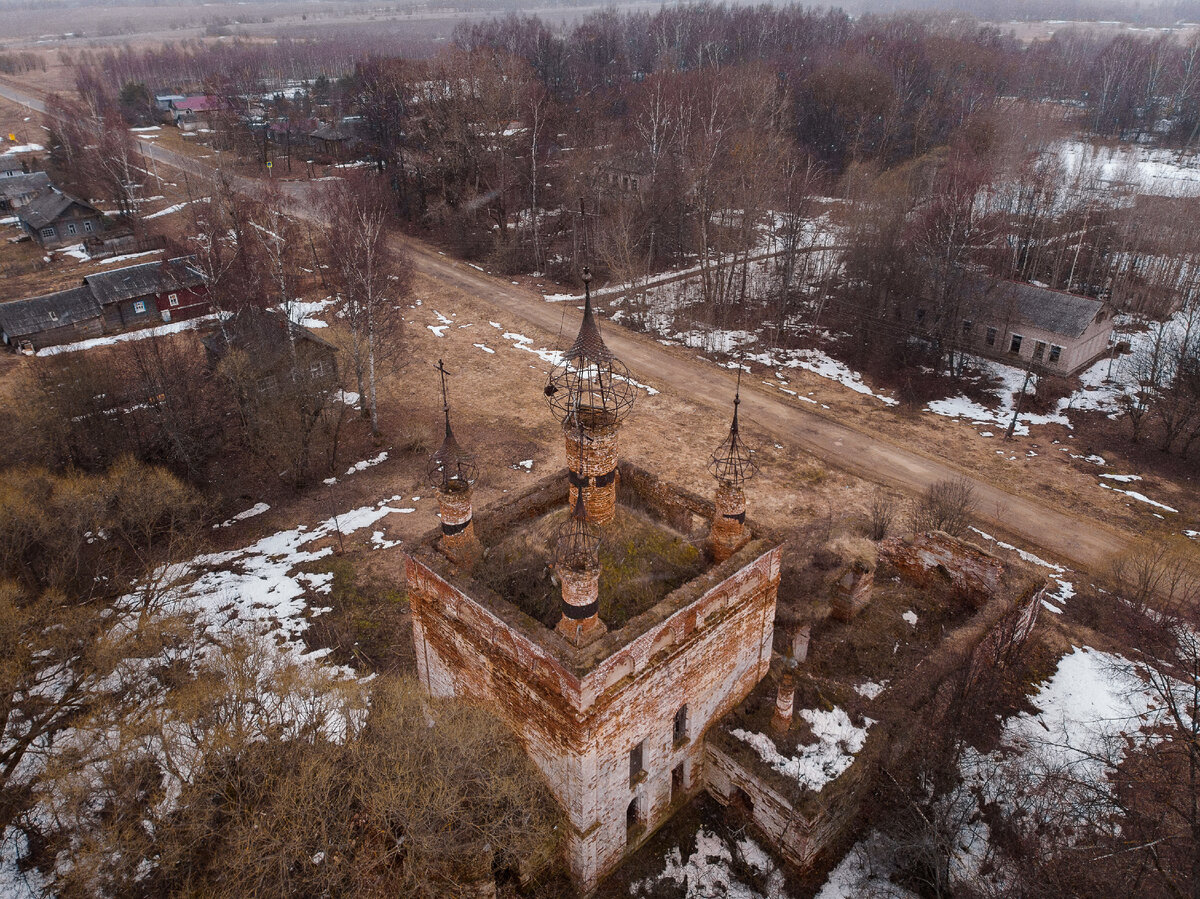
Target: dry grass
[[640, 563]]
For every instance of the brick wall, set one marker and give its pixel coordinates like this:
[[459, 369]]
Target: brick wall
[[928, 557], [802, 825], [579, 715]]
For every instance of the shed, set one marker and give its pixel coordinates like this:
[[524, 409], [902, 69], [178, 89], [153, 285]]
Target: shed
[[19, 188]]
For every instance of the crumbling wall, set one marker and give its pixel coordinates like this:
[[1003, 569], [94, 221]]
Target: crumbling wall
[[579, 727], [936, 555], [803, 827]]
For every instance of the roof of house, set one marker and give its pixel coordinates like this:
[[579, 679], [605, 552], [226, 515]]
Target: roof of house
[[197, 104], [21, 318], [264, 331], [331, 132], [1040, 307], [14, 187], [47, 208], [143, 280]]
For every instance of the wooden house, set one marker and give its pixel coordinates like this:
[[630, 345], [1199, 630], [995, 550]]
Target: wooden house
[[107, 303], [195, 113], [268, 350], [55, 219], [151, 293], [332, 140], [64, 316]]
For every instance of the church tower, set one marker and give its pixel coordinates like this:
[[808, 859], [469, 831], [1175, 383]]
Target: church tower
[[591, 393], [452, 472]]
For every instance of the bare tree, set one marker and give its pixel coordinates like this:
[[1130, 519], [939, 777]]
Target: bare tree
[[370, 281]]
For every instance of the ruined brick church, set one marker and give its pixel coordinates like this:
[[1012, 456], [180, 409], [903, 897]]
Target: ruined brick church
[[622, 627], [613, 686]]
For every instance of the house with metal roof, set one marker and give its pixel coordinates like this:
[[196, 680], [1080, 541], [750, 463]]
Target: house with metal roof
[[151, 293], [64, 316], [55, 219]]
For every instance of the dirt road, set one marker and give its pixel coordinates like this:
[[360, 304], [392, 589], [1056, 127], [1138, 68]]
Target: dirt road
[[1079, 542]]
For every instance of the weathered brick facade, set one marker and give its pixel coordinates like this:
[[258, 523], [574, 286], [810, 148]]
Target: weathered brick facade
[[968, 568], [592, 463], [802, 824], [656, 683], [729, 532]]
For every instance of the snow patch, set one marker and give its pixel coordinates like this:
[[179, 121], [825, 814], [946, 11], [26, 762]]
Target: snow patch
[[367, 463], [816, 764]]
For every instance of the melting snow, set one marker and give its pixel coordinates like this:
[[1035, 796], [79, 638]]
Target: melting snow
[[816, 764], [864, 872], [256, 509], [367, 463], [708, 871], [911, 617], [160, 331], [870, 689], [1141, 497]]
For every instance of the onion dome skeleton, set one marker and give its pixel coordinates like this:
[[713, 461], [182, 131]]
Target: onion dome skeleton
[[452, 471]]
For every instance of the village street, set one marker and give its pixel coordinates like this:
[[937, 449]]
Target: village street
[[1078, 542]]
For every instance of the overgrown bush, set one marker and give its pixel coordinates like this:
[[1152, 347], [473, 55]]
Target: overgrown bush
[[944, 506]]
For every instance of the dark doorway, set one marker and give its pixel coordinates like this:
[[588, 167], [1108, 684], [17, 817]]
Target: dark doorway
[[677, 782], [742, 801], [632, 814]]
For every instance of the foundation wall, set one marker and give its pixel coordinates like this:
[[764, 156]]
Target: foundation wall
[[969, 568], [803, 825]]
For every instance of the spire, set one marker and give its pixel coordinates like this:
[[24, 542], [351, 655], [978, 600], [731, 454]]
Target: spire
[[590, 382], [733, 462], [451, 467]]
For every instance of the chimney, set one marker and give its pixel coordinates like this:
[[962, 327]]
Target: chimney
[[451, 472], [591, 393], [732, 465], [577, 562], [785, 697]]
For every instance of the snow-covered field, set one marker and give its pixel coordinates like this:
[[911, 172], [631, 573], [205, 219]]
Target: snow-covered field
[[1145, 170]]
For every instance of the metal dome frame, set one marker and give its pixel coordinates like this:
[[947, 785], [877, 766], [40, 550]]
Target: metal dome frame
[[732, 462], [590, 386], [451, 468]]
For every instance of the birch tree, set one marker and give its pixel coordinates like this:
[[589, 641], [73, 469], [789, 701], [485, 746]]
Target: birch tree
[[369, 280]]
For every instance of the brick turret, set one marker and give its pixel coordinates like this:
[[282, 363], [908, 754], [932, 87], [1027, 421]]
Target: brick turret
[[591, 393], [452, 471], [785, 697], [577, 562]]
